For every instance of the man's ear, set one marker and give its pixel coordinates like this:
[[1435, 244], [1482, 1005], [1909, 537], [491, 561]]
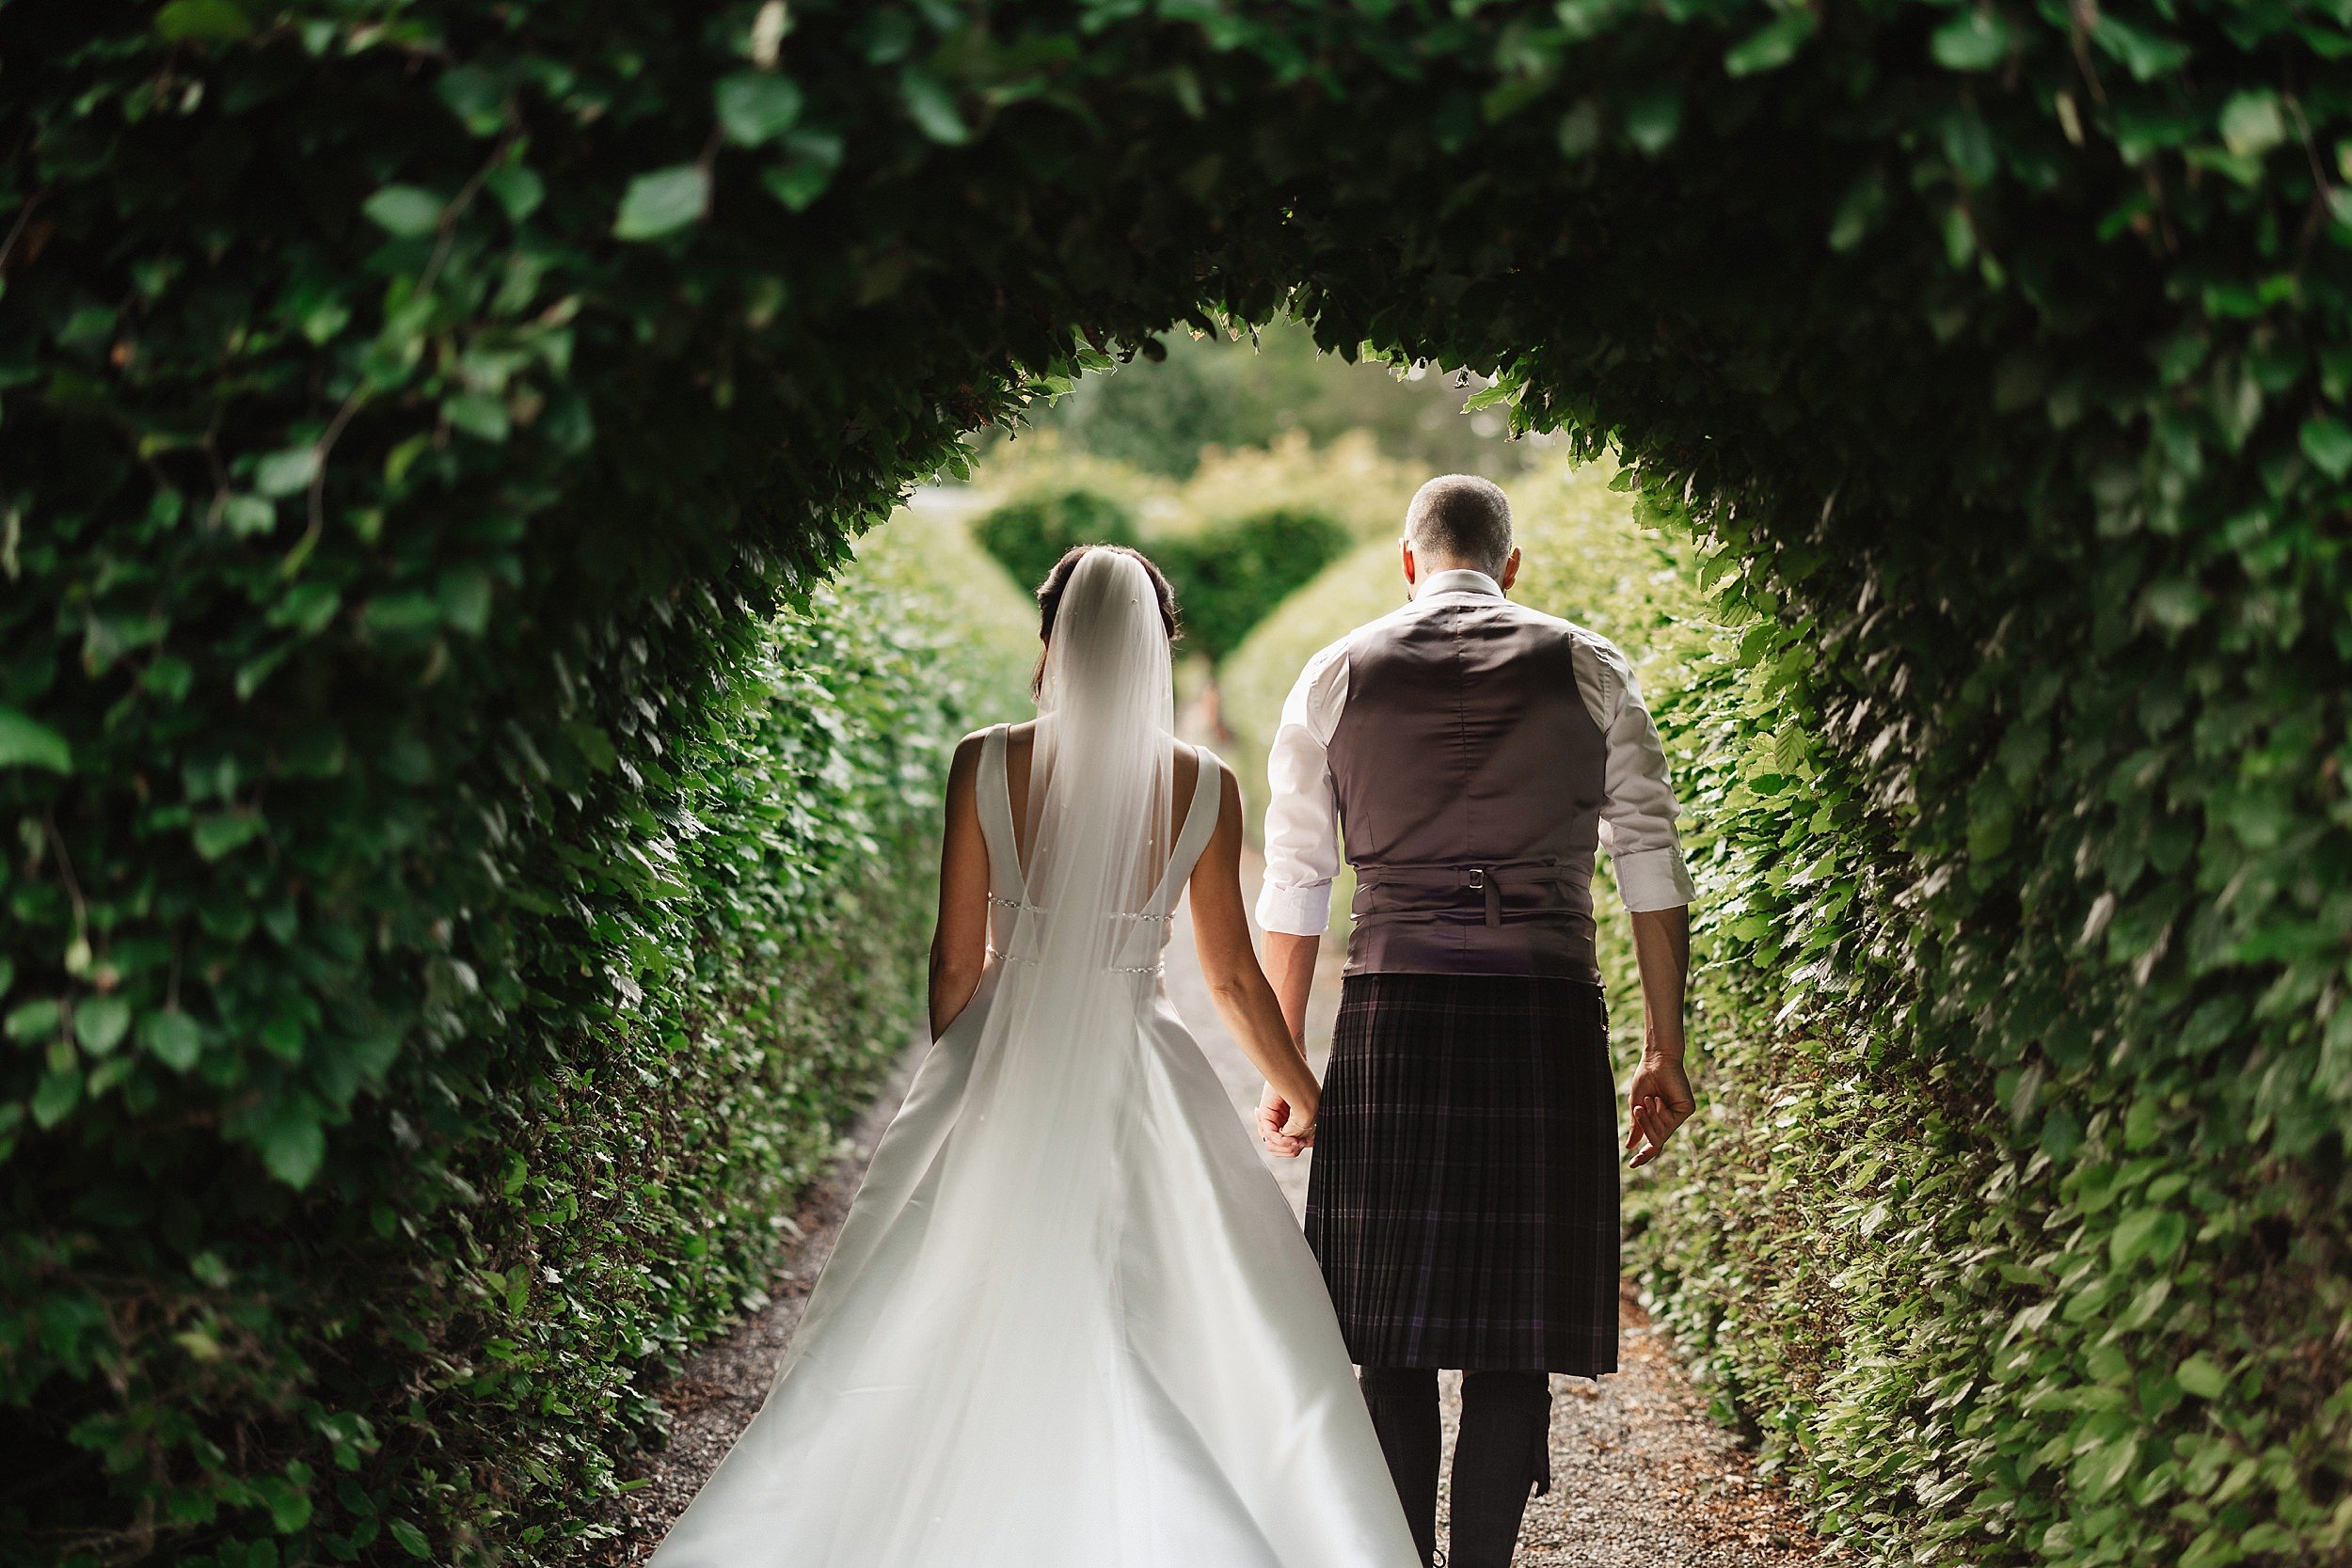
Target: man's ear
[[1404, 550], [1510, 571]]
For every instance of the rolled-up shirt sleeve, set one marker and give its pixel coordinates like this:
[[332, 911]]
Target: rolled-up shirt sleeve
[[1302, 826], [1637, 820]]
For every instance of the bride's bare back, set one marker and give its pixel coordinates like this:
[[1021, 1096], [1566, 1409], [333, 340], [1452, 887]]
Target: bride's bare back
[[1220, 920]]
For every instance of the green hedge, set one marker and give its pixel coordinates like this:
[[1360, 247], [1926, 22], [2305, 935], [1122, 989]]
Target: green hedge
[[446, 1335], [410, 416], [1028, 533], [1229, 573]]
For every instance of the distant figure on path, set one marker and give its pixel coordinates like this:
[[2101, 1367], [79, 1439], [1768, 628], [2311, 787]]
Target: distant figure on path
[[1070, 1321], [1463, 1202]]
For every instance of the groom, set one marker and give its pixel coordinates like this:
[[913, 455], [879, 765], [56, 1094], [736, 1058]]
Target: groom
[[1462, 1201]]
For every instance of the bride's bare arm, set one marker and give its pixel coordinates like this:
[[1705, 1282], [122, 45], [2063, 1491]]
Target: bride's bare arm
[[1220, 929], [960, 940]]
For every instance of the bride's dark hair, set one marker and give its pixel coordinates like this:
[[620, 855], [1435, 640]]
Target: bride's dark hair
[[1049, 594]]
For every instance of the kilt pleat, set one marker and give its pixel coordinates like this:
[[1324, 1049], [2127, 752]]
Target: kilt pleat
[[1463, 1200]]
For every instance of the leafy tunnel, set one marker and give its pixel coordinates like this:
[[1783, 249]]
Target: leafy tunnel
[[413, 417]]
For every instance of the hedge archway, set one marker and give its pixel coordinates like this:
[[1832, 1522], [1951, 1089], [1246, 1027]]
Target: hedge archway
[[410, 415]]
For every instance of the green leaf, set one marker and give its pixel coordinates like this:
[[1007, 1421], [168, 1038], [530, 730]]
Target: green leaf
[[466, 598], [99, 1022], [2154, 1233], [246, 516], [55, 1096], [1580, 130], [519, 189], [292, 1144], [1486, 397], [477, 96], [402, 614], [2174, 603], [479, 415], [2144, 54], [282, 473], [811, 159], [663, 202], [30, 1020], [756, 107], [1960, 235], [254, 671], [932, 108], [207, 20], [1973, 40], [172, 1038], [1968, 143], [1653, 120], [407, 211], [2328, 443], [2203, 1376], [222, 833], [289, 1508], [594, 744], [1859, 213], [307, 608], [411, 1539], [2252, 123], [200, 1345], [1772, 45], [25, 742]]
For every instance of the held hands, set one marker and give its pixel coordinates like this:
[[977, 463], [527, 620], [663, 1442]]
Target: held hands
[[1286, 1125], [1660, 1101]]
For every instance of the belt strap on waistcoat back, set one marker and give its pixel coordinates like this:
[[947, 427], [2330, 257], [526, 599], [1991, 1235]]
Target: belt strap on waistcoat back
[[1404, 892]]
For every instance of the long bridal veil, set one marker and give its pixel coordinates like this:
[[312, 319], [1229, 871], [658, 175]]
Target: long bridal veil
[[998, 1342], [1071, 1323]]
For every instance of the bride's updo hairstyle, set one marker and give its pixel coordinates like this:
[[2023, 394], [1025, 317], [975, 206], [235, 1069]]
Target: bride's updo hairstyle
[[1049, 595]]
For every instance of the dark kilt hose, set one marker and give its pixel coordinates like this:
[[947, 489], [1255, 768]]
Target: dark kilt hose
[[1463, 1197]]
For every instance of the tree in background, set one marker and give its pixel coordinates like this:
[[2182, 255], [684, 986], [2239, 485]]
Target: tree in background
[[1244, 392]]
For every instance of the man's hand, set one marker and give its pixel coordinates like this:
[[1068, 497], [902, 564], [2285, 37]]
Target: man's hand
[[1286, 1130], [1660, 1101], [1660, 1096]]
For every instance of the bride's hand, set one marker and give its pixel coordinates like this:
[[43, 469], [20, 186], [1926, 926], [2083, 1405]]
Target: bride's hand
[[1286, 1125]]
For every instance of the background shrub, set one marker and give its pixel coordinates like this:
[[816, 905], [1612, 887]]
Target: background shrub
[[1028, 533], [1228, 577], [1243, 532]]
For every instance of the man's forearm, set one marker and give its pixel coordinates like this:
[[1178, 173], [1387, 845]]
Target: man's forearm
[[1290, 964], [1662, 949]]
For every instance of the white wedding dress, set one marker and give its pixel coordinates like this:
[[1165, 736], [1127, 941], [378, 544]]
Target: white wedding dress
[[1070, 1319]]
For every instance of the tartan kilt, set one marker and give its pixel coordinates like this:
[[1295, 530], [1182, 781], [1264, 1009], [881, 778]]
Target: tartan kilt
[[1463, 1194]]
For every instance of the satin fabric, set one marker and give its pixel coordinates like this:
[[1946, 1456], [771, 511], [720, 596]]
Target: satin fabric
[[1172, 1389]]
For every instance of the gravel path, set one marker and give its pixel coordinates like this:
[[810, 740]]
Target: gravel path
[[724, 1383], [1640, 1474]]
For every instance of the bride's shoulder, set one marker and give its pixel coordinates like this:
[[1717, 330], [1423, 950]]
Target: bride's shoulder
[[978, 739], [965, 762], [966, 756], [1228, 782]]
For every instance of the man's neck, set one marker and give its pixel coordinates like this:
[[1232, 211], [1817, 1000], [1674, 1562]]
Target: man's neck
[[1456, 579]]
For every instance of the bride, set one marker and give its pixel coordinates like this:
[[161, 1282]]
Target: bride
[[1070, 1319]]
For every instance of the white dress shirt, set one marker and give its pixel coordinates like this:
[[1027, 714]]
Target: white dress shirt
[[1302, 827]]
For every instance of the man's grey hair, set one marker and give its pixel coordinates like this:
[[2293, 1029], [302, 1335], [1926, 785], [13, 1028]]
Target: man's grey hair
[[1460, 520]]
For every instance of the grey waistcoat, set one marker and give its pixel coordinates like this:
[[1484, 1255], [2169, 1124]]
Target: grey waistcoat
[[1469, 778]]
